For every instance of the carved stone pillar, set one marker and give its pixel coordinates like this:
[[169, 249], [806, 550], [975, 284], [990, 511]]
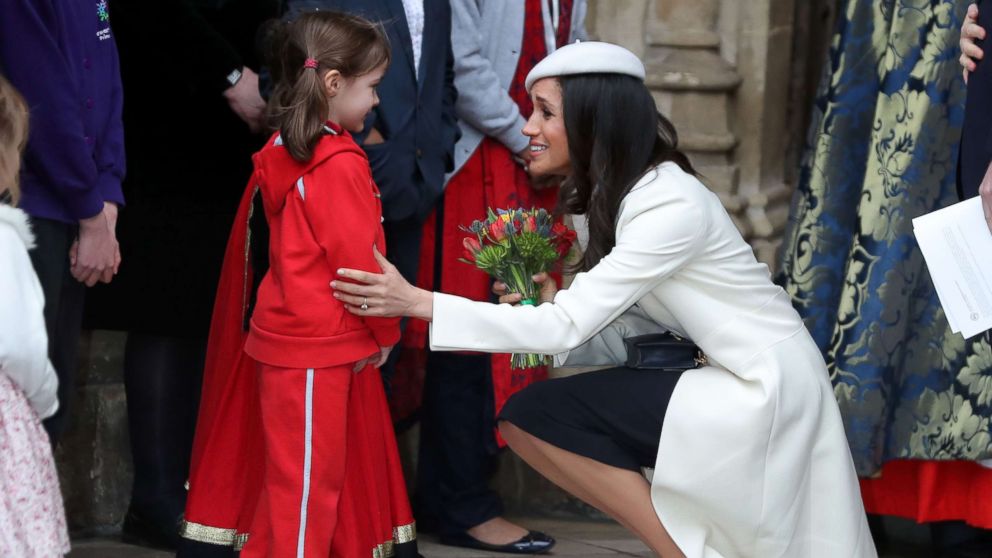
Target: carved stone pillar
[[764, 30], [693, 85], [620, 22]]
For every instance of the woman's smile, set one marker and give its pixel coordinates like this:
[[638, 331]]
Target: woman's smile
[[537, 148]]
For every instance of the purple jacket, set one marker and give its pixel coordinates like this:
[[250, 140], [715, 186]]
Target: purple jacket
[[61, 55]]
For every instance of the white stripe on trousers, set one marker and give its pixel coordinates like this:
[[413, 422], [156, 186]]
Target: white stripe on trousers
[[307, 455]]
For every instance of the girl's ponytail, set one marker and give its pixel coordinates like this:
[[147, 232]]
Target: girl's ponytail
[[300, 54], [303, 120]]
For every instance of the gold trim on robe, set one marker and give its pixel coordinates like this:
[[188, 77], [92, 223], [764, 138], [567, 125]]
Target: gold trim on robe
[[401, 535], [206, 534], [384, 550], [405, 533]]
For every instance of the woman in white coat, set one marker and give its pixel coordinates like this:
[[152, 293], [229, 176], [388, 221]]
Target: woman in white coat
[[749, 454]]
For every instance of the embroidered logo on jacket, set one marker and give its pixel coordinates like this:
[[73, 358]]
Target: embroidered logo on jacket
[[103, 15]]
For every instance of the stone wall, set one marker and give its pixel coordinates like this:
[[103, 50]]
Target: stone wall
[[94, 458]]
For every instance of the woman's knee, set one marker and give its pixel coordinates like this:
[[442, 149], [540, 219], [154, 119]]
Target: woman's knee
[[527, 400], [513, 434]]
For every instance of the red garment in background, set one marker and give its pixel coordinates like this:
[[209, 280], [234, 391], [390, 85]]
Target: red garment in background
[[534, 48], [927, 491], [489, 179]]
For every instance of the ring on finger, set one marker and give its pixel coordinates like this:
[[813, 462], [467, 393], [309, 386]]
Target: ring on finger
[[365, 304]]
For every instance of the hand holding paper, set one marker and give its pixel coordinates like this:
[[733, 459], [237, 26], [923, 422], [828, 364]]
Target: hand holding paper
[[957, 246]]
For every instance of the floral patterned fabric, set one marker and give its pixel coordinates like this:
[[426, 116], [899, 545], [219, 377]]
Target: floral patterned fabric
[[883, 150], [32, 517]]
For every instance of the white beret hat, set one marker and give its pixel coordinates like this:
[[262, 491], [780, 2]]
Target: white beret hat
[[590, 57]]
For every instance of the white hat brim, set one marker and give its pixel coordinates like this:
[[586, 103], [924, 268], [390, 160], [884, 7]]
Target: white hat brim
[[591, 57]]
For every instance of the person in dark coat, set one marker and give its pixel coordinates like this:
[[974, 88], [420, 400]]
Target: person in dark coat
[[63, 59], [975, 176], [193, 105], [410, 137], [961, 536]]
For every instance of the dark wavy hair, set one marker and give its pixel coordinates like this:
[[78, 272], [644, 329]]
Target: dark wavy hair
[[615, 135], [347, 43]]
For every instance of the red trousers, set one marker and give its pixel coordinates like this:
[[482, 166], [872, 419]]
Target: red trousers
[[333, 486]]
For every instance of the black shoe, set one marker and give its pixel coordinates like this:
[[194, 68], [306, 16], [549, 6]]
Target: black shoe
[[534, 542], [956, 539], [141, 531]]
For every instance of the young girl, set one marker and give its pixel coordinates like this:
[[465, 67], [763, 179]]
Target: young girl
[[32, 519], [331, 483]]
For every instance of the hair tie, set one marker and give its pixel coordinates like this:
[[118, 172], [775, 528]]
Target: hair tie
[[310, 63]]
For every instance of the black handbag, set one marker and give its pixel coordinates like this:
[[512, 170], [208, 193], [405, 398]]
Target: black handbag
[[663, 351]]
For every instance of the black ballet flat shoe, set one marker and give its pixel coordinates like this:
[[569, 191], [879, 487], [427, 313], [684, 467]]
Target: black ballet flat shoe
[[142, 531], [534, 542]]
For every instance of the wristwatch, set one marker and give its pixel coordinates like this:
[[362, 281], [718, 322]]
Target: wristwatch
[[234, 77]]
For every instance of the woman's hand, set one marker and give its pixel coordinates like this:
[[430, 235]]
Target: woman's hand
[[970, 32], [382, 295], [547, 293]]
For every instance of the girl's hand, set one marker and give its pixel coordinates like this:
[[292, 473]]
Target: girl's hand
[[547, 293], [383, 355], [970, 32], [376, 360], [382, 295], [360, 365]]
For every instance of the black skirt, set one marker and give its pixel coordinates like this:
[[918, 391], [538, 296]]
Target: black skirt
[[613, 416]]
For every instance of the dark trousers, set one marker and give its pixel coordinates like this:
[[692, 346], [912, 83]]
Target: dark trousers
[[162, 377], [63, 310], [403, 251], [457, 444], [956, 539]]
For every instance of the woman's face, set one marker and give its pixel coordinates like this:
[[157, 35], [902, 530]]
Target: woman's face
[[546, 130]]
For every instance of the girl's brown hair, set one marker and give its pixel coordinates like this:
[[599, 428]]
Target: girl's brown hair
[[352, 45], [13, 136]]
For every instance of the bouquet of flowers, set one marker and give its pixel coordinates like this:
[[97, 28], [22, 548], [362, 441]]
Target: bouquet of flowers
[[513, 245]]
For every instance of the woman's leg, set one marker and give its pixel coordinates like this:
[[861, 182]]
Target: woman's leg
[[622, 494]]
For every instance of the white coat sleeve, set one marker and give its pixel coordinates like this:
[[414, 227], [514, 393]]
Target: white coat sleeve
[[483, 102], [662, 230], [23, 338]]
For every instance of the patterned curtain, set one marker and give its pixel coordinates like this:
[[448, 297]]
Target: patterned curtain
[[882, 150]]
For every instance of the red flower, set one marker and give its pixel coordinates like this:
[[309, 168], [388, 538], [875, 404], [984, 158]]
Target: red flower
[[472, 247], [564, 238], [496, 231], [530, 224]]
